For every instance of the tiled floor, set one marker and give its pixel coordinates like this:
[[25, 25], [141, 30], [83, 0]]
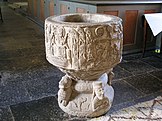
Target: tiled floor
[[29, 84]]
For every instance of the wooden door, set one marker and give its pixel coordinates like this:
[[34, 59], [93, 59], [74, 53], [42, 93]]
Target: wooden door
[[35, 5], [30, 7], [42, 10], [130, 26], [51, 7]]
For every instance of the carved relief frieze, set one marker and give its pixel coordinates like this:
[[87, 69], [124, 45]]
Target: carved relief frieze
[[84, 47]]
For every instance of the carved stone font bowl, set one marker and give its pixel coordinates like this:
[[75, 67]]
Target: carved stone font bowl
[[84, 46]]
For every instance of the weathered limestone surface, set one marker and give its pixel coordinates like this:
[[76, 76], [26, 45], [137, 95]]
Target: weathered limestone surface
[[86, 47]]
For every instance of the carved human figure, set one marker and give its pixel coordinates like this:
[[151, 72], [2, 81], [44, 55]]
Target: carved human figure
[[61, 43], [65, 90], [60, 36], [74, 46], [90, 48], [117, 34], [82, 49], [98, 98], [52, 38], [101, 51]]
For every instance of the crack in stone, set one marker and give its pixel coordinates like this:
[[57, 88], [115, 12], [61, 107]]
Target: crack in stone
[[141, 111], [159, 101], [110, 119], [151, 110]]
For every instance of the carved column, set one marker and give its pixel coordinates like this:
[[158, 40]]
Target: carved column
[[86, 47]]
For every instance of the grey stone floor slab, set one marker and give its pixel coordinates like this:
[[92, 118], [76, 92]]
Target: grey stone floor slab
[[27, 52], [132, 57], [15, 44], [42, 72], [45, 109], [31, 74], [120, 73], [137, 67], [6, 54], [157, 74], [7, 76], [153, 61], [5, 114], [42, 87], [12, 93], [38, 83], [124, 92], [138, 56], [23, 63], [146, 83], [6, 64]]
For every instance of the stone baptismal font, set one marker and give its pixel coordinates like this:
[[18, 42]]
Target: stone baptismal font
[[86, 47]]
